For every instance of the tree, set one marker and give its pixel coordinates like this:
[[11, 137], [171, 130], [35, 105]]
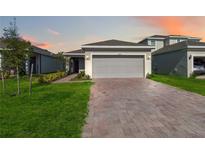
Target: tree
[[2, 79], [16, 51], [61, 59]]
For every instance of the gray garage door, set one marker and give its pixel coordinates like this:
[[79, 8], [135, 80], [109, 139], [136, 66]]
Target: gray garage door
[[119, 66]]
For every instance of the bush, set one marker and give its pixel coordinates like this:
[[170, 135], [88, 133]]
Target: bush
[[47, 78], [6, 75], [149, 76], [82, 76], [193, 76]]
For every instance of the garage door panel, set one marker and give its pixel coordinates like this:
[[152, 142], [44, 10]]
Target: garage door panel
[[118, 66]]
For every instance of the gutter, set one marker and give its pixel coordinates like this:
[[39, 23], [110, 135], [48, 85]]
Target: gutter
[[114, 47], [73, 54]]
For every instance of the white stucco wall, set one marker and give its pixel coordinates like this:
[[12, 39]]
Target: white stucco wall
[[173, 41], [190, 60], [89, 54], [158, 44]]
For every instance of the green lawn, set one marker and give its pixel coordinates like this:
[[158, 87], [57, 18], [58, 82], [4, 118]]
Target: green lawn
[[189, 84], [54, 110]]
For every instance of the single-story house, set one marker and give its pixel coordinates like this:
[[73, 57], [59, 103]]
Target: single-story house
[[179, 59], [111, 59], [43, 61]]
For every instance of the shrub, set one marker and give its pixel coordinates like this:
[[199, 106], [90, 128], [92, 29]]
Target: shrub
[[6, 74], [149, 76], [193, 76], [47, 78], [82, 76]]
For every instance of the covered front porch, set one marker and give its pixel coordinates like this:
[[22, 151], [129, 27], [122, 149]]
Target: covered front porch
[[75, 61], [76, 64]]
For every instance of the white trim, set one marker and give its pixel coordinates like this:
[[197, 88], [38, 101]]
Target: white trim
[[189, 46], [190, 65], [119, 53], [118, 47], [187, 37], [74, 54], [156, 38]]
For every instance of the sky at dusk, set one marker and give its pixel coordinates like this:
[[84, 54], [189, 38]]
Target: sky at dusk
[[69, 33]]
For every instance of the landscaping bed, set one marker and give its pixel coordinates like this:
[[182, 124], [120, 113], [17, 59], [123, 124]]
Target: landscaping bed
[[81, 77], [48, 78]]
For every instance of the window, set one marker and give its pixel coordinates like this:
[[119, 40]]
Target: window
[[153, 42], [178, 40]]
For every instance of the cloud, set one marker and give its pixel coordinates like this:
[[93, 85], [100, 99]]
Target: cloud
[[182, 25], [44, 45], [34, 41], [53, 32]]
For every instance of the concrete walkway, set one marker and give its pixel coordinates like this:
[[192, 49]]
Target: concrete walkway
[[201, 77], [66, 79], [143, 108]]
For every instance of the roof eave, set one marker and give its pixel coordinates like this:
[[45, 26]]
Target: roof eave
[[73, 54], [114, 47], [196, 46], [156, 38]]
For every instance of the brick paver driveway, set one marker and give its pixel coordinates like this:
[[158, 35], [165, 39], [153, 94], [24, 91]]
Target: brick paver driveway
[[143, 108]]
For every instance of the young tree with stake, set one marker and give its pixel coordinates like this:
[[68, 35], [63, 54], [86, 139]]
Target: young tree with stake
[[17, 50]]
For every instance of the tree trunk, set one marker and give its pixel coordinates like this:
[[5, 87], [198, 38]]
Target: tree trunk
[[3, 82], [18, 80], [30, 85]]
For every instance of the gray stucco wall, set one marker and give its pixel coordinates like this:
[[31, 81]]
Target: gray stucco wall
[[172, 63], [81, 64], [50, 64]]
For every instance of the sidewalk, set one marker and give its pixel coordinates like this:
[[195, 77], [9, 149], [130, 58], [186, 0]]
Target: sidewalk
[[66, 79]]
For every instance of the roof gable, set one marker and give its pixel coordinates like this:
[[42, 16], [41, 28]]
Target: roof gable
[[113, 43], [179, 46]]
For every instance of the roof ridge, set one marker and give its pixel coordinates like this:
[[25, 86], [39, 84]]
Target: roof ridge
[[112, 42]]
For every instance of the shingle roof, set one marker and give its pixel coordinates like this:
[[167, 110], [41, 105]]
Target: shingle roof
[[113, 43], [183, 36], [76, 51], [178, 46], [168, 36], [153, 36], [35, 50], [162, 36], [42, 51]]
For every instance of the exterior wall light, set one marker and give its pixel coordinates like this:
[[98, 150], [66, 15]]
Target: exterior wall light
[[148, 57], [87, 57], [190, 57]]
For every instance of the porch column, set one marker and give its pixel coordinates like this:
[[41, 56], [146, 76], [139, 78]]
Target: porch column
[[27, 67], [67, 64]]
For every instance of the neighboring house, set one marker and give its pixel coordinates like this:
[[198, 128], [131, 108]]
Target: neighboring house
[[179, 58], [111, 59], [43, 61], [160, 41]]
